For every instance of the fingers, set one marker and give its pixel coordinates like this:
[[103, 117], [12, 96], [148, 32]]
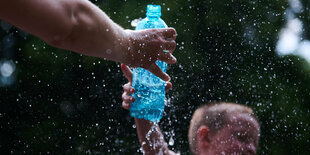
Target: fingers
[[169, 45], [128, 88], [127, 72], [168, 86], [158, 72], [169, 33], [126, 105], [167, 57], [127, 99]]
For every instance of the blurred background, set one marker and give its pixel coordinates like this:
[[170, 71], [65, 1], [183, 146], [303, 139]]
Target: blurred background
[[252, 52]]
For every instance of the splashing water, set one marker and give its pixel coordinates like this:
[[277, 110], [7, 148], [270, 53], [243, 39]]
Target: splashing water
[[135, 22], [290, 38], [153, 142]]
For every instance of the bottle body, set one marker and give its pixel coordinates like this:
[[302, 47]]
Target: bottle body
[[149, 89]]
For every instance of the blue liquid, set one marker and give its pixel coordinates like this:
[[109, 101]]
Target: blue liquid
[[149, 103], [149, 89]]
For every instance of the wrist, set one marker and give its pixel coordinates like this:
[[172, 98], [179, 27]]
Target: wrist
[[127, 52]]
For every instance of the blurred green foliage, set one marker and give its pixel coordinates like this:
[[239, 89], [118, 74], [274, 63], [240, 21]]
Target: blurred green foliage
[[66, 103]]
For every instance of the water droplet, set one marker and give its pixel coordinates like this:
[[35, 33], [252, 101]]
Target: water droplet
[[171, 141], [7, 68], [108, 51]]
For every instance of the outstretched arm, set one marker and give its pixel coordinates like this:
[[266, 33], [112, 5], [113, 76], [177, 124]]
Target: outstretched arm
[[149, 134], [80, 26]]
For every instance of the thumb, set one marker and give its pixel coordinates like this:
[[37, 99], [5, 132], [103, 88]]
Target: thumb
[[153, 68], [127, 72]]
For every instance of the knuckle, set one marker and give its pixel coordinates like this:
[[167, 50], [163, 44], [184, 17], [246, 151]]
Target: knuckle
[[173, 45], [159, 41], [124, 96], [173, 30], [124, 105]]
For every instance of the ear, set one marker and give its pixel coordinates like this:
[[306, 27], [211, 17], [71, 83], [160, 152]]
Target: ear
[[203, 138]]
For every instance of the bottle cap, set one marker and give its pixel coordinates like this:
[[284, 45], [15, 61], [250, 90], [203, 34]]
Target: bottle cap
[[153, 10]]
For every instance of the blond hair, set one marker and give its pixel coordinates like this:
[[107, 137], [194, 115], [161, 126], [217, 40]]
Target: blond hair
[[215, 117]]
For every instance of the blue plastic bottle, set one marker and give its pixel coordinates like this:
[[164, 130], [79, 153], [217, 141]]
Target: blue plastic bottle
[[149, 89]]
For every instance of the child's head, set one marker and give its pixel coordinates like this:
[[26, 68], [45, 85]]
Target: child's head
[[223, 128]]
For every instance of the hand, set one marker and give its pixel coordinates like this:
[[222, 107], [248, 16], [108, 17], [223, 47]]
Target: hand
[[147, 46], [128, 90]]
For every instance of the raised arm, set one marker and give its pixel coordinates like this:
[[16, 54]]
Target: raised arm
[[150, 136], [80, 26]]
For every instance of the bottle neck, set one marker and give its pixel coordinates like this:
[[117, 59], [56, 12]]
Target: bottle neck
[[152, 17]]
